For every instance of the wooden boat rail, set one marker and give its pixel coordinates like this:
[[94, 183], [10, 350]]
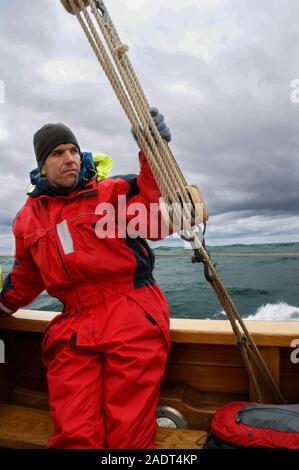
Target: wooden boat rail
[[204, 371]]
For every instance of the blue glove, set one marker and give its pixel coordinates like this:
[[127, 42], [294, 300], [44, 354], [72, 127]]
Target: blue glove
[[160, 124]]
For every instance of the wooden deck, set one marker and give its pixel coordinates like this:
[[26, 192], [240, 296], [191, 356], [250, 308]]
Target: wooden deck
[[29, 428]]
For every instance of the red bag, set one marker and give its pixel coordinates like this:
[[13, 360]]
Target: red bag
[[243, 424]]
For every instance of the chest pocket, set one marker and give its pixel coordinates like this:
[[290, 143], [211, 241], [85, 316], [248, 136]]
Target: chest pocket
[[38, 246], [88, 226], [33, 240]]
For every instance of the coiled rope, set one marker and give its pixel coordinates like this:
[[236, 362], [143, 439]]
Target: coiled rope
[[113, 58]]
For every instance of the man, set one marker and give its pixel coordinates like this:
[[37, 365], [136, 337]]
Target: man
[[106, 353]]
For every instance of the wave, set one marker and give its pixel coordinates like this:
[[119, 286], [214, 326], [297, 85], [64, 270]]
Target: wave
[[287, 244], [276, 260], [280, 311], [247, 292]]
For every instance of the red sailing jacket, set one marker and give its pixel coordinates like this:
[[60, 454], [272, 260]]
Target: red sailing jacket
[[57, 246]]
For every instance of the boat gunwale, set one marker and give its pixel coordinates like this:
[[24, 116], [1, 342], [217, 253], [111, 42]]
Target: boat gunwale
[[183, 330]]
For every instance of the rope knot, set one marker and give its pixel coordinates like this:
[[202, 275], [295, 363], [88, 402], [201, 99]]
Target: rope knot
[[108, 26], [121, 50], [242, 342]]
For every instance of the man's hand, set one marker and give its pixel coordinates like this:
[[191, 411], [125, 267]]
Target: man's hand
[[160, 124]]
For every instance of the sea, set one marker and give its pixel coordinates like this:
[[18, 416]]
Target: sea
[[263, 283]]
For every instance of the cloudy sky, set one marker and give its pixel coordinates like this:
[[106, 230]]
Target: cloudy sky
[[221, 71]]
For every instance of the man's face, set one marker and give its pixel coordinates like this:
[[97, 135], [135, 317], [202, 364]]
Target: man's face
[[62, 165]]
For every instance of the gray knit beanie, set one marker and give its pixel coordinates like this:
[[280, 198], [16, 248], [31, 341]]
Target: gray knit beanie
[[48, 137]]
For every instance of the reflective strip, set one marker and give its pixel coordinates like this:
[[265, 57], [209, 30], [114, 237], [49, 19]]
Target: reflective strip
[[5, 309], [65, 237]]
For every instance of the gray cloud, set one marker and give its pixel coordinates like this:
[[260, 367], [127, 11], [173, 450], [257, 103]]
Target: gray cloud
[[220, 75]]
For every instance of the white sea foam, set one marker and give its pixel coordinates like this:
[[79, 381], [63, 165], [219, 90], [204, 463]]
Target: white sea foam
[[280, 311]]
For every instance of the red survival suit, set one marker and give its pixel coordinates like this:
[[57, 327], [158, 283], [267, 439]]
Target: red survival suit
[[106, 353]]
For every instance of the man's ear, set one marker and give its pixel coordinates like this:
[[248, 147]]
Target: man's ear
[[43, 173]]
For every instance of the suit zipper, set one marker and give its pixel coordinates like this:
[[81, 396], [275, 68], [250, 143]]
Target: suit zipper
[[61, 259]]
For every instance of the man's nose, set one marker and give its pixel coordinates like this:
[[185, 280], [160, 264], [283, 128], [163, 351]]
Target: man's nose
[[69, 156]]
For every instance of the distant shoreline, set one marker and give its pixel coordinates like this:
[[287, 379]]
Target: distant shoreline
[[163, 248]]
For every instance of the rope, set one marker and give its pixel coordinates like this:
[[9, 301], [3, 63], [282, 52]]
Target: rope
[[168, 175], [128, 68]]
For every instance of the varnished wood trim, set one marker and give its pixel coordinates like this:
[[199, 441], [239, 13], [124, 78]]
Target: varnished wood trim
[[264, 333]]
